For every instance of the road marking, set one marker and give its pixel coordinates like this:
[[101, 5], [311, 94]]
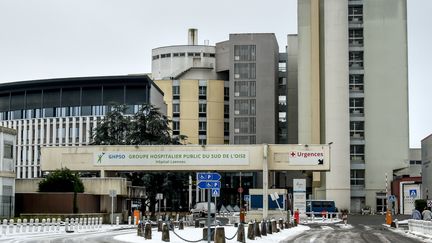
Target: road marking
[[345, 226], [325, 227], [366, 227], [382, 238]]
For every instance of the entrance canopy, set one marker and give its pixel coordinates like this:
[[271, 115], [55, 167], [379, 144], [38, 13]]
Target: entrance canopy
[[274, 157]]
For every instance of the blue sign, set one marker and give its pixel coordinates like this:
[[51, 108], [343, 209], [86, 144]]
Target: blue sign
[[215, 192], [413, 193], [208, 176], [209, 184], [246, 198], [392, 198]]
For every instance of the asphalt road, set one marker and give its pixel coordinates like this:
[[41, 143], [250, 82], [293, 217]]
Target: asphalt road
[[359, 229]]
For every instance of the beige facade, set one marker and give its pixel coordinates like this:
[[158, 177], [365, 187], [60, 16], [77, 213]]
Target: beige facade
[[189, 113]]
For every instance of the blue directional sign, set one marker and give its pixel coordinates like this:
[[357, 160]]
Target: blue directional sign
[[215, 192], [208, 176], [209, 184]]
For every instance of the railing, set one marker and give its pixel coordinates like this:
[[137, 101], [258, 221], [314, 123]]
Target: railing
[[420, 227]]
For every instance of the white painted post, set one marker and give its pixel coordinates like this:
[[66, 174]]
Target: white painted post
[[58, 224], [100, 222], [24, 226], [117, 221], [4, 227], [11, 226], [31, 225], [19, 225], [36, 229], [42, 229], [48, 224], [86, 226], [129, 220]]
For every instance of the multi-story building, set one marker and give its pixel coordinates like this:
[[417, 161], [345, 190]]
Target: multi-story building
[[251, 61], [63, 112], [353, 93], [426, 170], [7, 172], [196, 96]]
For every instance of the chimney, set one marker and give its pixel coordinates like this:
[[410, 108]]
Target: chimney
[[193, 37]]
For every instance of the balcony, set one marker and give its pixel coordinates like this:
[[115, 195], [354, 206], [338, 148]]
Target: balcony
[[357, 111]]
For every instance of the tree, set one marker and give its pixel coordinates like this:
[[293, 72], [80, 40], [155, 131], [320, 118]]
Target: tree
[[63, 180], [146, 127]]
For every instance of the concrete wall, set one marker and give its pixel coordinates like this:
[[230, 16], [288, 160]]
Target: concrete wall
[[55, 203], [292, 86], [386, 92], [96, 186], [426, 150]]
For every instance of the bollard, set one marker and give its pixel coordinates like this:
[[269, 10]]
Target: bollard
[[36, 225], [205, 235], [135, 220], [147, 231], [117, 220], [181, 225], [220, 234], [269, 227], [250, 233], [11, 226], [58, 224], [18, 226], [165, 233], [43, 223], [4, 227], [24, 229], [281, 224], [274, 228], [241, 234], [48, 224], [257, 231], [197, 224], [129, 220], [159, 225], [31, 225], [263, 228], [77, 224]]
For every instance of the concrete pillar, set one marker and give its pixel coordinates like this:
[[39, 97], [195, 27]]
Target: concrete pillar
[[220, 234], [19, 226], [11, 226], [31, 225], [25, 225], [165, 233], [36, 228], [147, 231]]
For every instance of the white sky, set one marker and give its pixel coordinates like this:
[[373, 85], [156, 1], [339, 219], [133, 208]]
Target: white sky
[[69, 38]]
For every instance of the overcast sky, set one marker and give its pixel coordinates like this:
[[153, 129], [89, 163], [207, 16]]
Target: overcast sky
[[69, 38]]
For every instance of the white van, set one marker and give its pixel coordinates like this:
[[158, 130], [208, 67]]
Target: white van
[[200, 209]]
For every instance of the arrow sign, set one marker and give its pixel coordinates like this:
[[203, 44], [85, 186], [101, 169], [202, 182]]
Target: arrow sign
[[209, 184], [215, 192], [208, 176]]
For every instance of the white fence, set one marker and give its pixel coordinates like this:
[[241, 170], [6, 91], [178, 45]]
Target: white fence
[[420, 226]]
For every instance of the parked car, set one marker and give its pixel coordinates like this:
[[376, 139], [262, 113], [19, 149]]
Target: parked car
[[201, 209]]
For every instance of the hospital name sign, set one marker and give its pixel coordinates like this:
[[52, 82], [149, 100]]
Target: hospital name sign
[[171, 158]]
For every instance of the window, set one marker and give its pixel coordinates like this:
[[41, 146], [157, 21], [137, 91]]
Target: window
[[226, 93], [209, 55], [176, 92], [355, 37], [202, 141], [244, 125], [245, 88], [357, 177], [8, 151], [165, 55], [155, 57], [202, 90], [356, 106], [176, 125], [176, 108], [356, 59], [357, 129], [244, 107], [194, 54], [244, 140], [244, 70], [355, 13], [244, 52], [356, 82], [179, 54], [202, 126], [202, 108], [357, 152]]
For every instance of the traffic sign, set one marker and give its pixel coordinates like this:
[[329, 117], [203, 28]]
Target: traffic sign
[[413, 193], [392, 198], [215, 192], [246, 197], [209, 184], [208, 176], [429, 203]]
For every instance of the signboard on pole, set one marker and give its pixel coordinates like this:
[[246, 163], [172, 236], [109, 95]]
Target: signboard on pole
[[299, 195], [215, 192]]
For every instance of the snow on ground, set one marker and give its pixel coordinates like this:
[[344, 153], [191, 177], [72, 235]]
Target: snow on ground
[[194, 234], [405, 232]]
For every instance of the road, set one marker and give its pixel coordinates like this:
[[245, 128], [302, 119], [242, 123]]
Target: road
[[101, 237], [360, 229]]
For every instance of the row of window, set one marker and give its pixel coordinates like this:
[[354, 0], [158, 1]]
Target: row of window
[[183, 54], [94, 110], [202, 108]]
